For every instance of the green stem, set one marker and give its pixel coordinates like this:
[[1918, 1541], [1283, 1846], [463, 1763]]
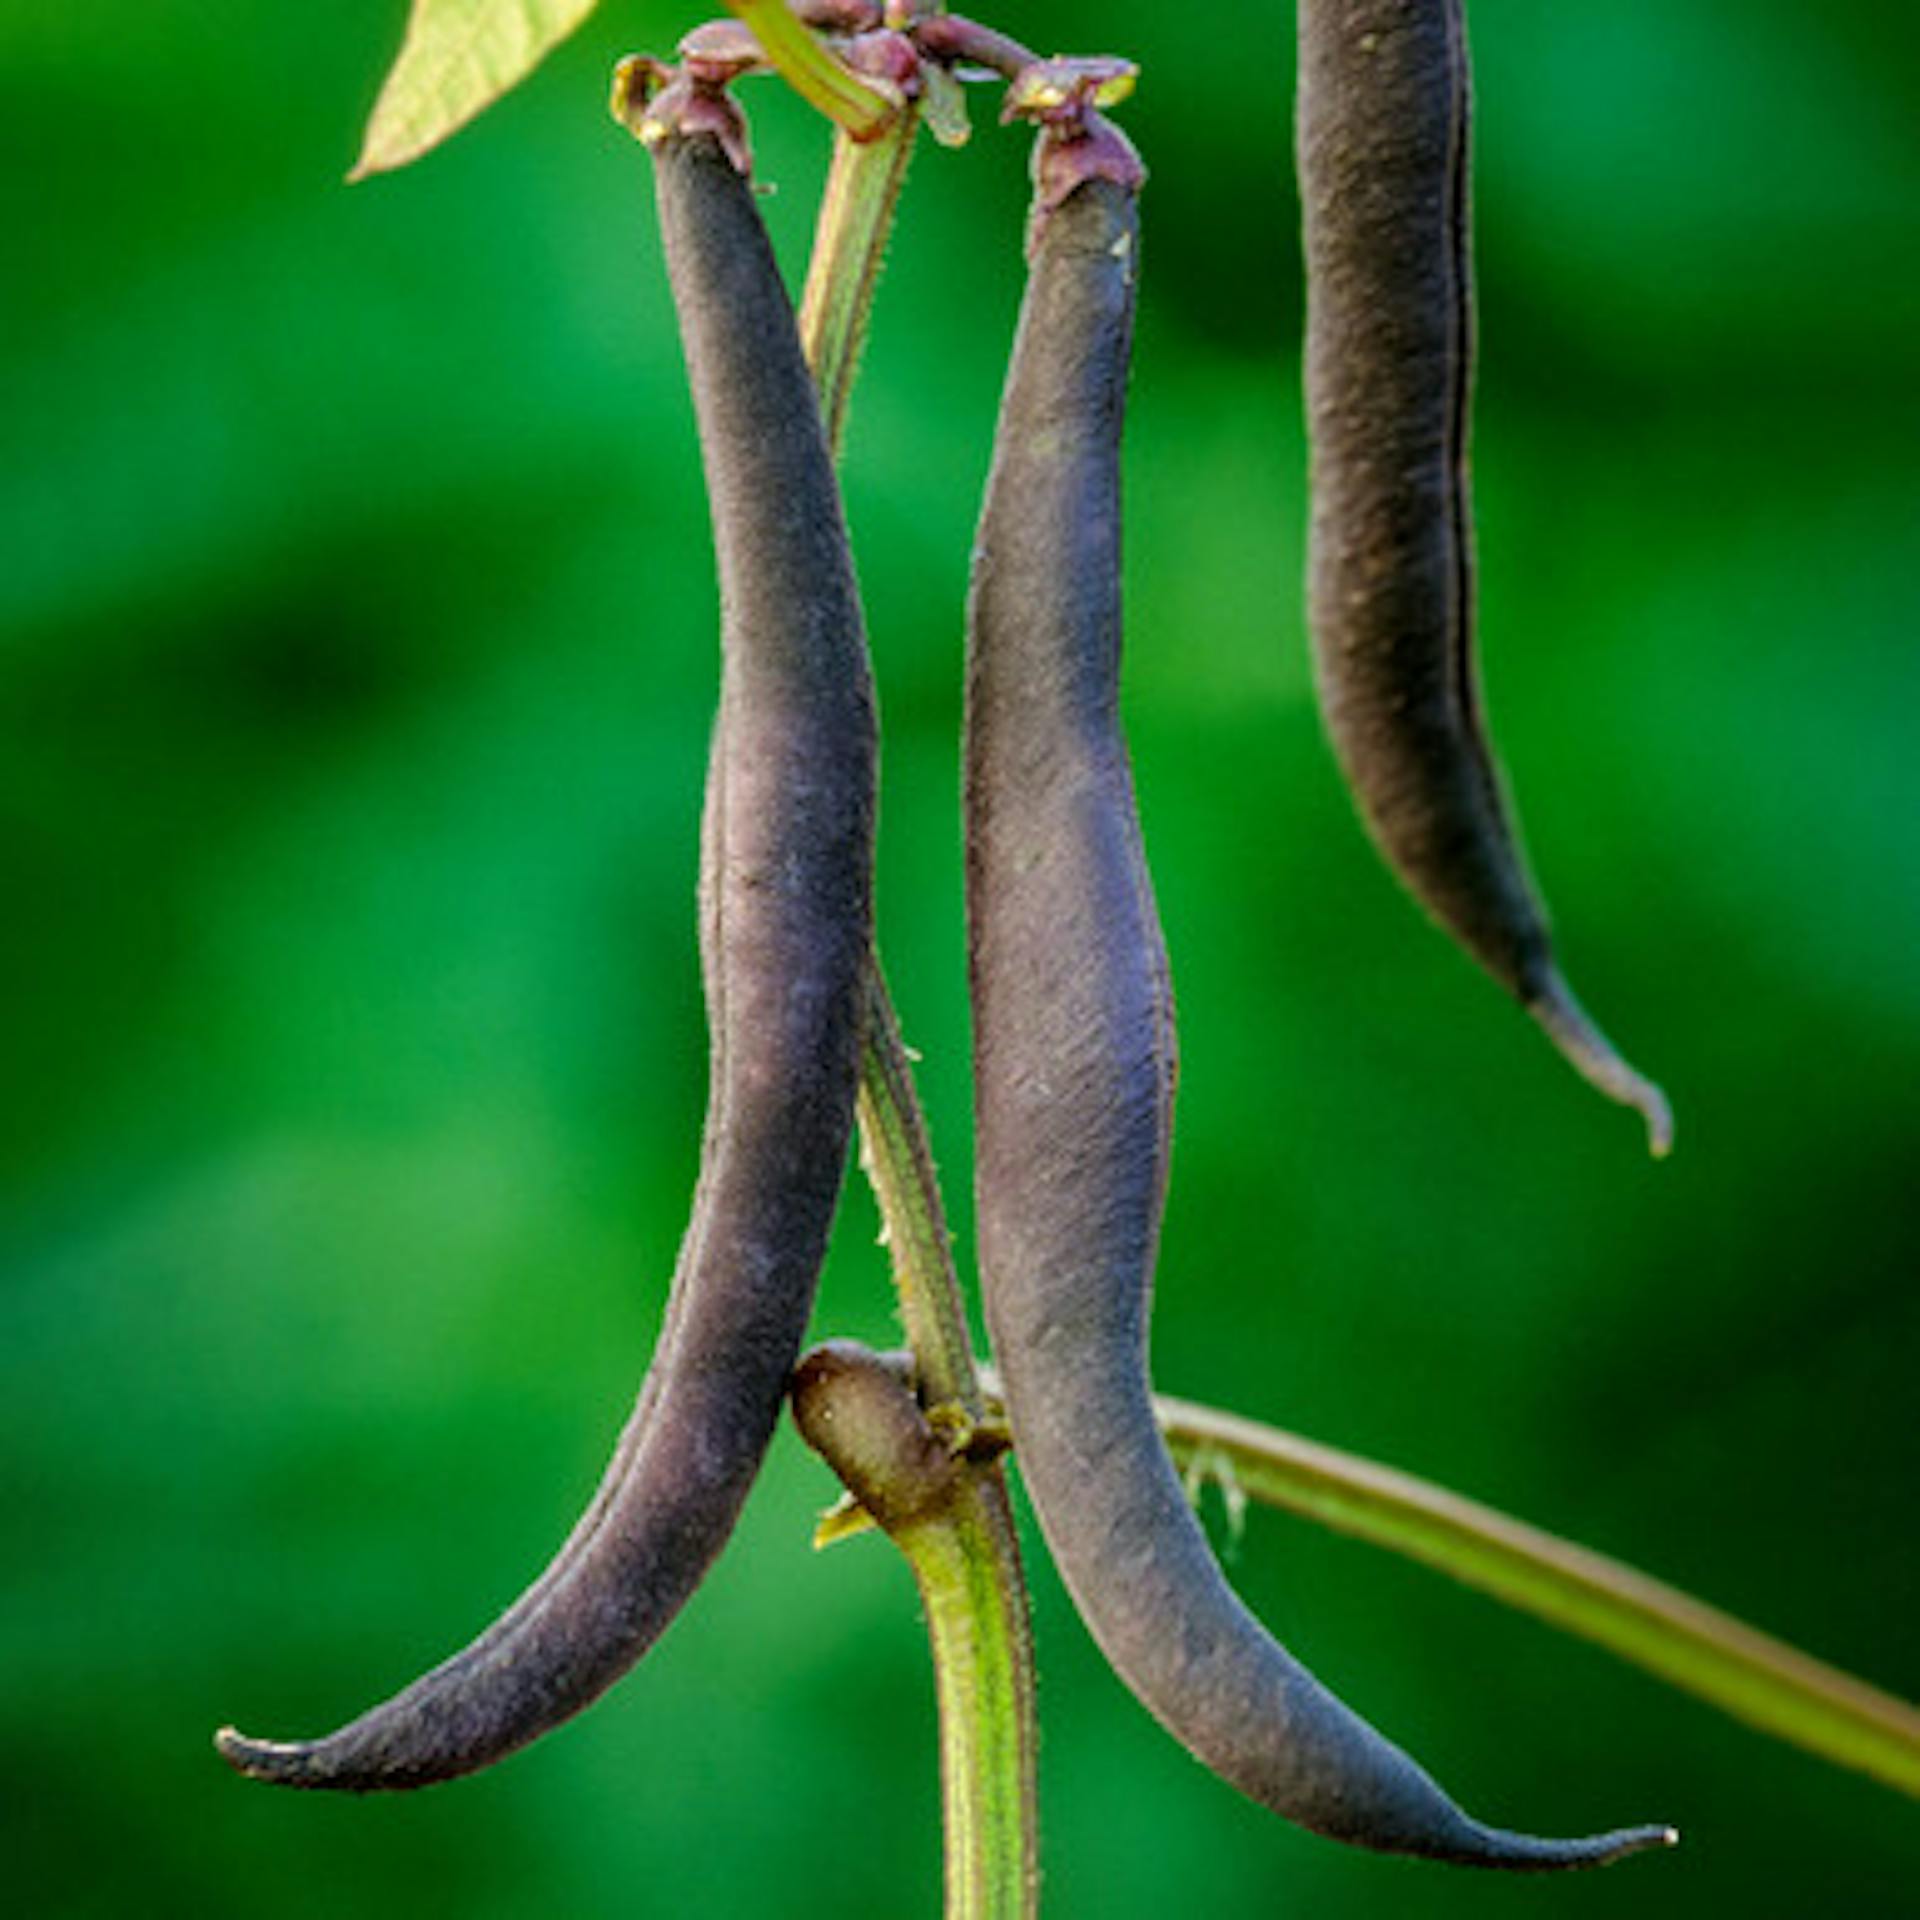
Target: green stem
[[850, 239], [946, 1511], [965, 1558], [857, 106], [1744, 1672], [856, 214], [899, 1164], [967, 1567]]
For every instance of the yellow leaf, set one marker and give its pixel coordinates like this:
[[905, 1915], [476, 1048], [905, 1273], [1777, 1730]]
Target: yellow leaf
[[459, 57]]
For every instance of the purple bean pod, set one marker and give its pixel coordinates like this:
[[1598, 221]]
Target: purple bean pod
[[785, 926], [1383, 153], [1074, 1078]]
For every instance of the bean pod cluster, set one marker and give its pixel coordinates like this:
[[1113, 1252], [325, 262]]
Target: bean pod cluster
[[1074, 1041]]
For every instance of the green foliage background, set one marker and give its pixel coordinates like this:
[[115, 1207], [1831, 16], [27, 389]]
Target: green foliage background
[[357, 666]]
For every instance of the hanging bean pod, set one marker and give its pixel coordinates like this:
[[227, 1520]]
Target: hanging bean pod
[[1074, 1082], [1383, 154], [785, 926]]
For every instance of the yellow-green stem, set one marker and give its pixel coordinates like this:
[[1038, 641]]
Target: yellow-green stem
[[858, 106], [850, 239], [856, 212], [1698, 1648], [966, 1560], [983, 1670], [899, 1164]]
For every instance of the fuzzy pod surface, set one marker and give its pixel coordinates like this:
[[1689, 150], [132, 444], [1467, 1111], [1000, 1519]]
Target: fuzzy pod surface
[[1074, 1081], [785, 926], [1384, 188]]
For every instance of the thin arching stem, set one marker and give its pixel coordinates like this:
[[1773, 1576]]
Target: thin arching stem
[[1733, 1666]]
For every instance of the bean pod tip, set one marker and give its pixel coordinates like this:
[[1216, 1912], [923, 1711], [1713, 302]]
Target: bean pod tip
[[1522, 1853], [1595, 1058], [278, 1761]]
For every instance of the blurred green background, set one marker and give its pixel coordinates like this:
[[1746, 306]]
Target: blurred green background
[[358, 657]]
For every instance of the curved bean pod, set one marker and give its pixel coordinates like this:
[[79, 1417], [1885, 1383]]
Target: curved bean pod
[[1074, 1080], [1383, 142], [785, 928]]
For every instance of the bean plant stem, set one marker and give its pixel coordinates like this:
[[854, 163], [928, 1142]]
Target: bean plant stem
[[967, 1567], [899, 1164], [856, 215], [1735, 1667], [967, 1560], [857, 106]]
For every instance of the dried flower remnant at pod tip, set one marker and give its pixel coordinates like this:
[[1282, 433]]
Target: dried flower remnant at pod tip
[[1077, 143], [1384, 187], [657, 102], [785, 930], [1074, 1084]]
